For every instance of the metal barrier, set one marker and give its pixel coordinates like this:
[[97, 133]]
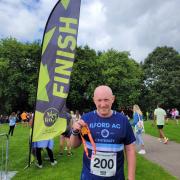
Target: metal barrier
[[4, 145]]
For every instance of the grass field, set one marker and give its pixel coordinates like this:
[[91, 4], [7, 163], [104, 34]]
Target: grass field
[[172, 130], [69, 168]]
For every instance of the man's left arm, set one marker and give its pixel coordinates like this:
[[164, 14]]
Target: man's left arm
[[131, 160]]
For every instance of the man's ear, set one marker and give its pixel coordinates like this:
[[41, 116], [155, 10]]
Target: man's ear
[[113, 98]]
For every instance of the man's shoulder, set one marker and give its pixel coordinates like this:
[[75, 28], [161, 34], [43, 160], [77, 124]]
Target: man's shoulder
[[94, 113], [120, 116]]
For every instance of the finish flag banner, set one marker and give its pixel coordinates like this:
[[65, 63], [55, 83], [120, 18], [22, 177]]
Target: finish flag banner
[[58, 52]]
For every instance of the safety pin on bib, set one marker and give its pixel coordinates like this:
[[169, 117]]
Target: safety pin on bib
[[85, 131]]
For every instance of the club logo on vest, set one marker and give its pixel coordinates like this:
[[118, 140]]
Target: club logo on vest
[[50, 116], [104, 133]]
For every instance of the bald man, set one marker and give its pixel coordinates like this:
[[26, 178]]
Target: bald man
[[112, 134]]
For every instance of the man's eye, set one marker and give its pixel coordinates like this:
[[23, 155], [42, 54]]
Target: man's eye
[[106, 100]]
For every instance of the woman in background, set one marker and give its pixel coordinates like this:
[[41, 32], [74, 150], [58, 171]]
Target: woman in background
[[48, 144], [138, 116], [38, 146], [12, 123]]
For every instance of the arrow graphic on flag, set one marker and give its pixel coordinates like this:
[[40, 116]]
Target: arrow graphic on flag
[[65, 3]]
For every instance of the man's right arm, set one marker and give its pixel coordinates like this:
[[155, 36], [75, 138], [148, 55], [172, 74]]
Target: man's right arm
[[131, 160]]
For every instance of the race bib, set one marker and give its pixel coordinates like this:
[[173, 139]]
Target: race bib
[[103, 164]]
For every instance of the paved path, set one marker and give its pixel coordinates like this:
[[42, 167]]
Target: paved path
[[8, 176], [166, 155]]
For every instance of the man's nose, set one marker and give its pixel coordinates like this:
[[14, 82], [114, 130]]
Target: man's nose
[[103, 103]]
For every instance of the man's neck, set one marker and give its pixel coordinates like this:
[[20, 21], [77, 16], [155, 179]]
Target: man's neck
[[105, 116]]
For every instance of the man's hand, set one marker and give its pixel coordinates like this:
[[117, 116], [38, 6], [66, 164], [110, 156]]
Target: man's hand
[[77, 126]]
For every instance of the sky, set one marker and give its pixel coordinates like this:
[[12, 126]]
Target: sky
[[137, 26]]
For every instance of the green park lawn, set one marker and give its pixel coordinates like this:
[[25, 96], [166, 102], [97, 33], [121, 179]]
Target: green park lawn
[[69, 168], [171, 130]]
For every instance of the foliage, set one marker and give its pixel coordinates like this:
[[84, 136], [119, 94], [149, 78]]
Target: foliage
[[19, 64], [112, 68], [122, 74], [155, 80], [162, 78], [83, 79]]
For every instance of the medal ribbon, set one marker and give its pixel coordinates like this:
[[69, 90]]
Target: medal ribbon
[[85, 131]]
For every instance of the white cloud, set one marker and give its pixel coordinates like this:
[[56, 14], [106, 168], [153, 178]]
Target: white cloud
[[92, 26], [137, 26], [24, 19]]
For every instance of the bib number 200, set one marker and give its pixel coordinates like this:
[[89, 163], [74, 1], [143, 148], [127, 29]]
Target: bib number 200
[[103, 163]]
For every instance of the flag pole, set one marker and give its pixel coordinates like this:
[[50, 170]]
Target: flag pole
[[30, 143]]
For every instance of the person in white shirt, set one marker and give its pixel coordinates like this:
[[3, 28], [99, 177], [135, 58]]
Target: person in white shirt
[[159, 117]]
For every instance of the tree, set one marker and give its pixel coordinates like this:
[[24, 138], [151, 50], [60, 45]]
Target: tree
[[162, 78], [112, 68], [19, 64], [122, 74], [83, 79]]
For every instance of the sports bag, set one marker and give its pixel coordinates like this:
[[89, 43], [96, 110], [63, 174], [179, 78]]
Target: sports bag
[[139, 127]]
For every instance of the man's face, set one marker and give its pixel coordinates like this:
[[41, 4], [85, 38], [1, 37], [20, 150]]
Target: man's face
[[103, 100]]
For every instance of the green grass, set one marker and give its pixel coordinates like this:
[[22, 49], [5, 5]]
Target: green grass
[[171, 130], [68, 168]]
